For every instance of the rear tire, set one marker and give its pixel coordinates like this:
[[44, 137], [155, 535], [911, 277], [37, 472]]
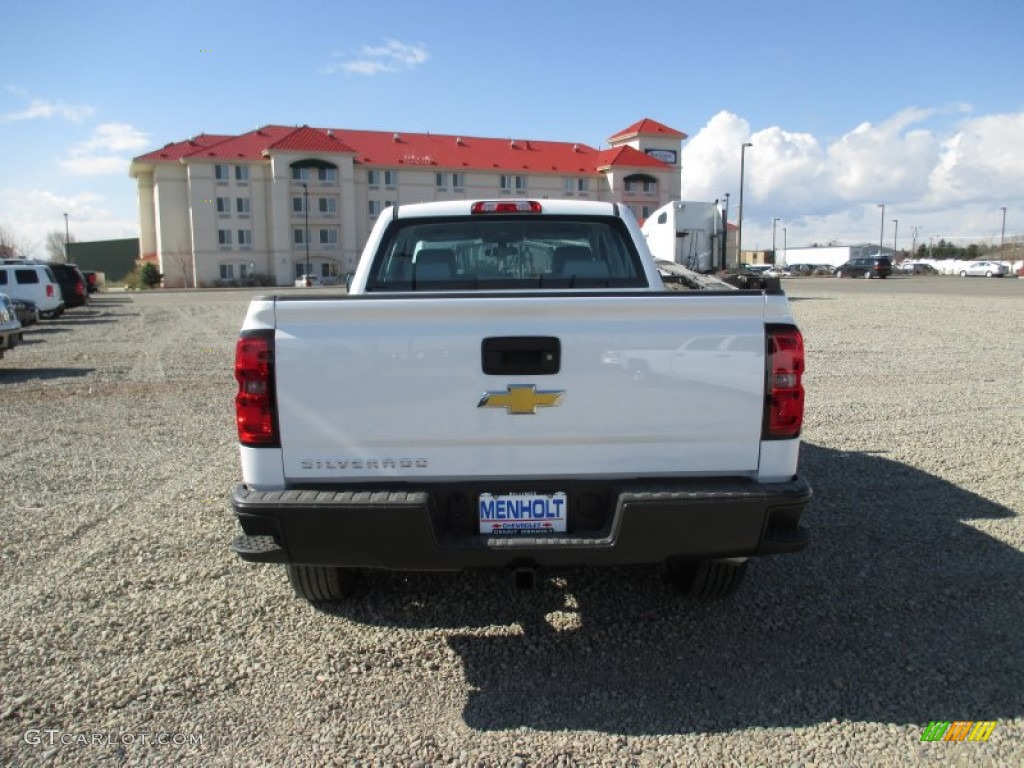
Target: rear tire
[[321, 584], [705, 579]]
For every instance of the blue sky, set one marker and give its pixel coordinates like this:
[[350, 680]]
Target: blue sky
[[915, 104]]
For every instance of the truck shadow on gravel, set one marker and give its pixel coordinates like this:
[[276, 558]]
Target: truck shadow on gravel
[[900, 612], [19, 375]]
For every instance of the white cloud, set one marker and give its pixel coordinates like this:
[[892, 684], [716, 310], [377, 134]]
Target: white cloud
[[393, 56], [941, 178], [104, 151], [44, 110], [34, 212]]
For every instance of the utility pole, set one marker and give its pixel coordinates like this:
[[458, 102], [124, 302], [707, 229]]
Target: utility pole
[[725, 233], [739, 216], [881, 233]]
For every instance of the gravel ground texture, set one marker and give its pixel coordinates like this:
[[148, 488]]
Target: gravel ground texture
[[132, 636]]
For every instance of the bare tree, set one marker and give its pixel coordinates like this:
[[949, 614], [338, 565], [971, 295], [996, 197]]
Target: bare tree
[[10, 246], [181, 259], [55, 245]]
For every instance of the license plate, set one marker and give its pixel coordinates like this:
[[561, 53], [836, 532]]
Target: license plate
[[522, 513]]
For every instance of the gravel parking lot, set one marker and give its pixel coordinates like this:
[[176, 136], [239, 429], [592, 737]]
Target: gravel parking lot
[[131, 635]]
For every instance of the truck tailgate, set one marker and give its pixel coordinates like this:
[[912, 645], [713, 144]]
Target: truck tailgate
[[380, 388]]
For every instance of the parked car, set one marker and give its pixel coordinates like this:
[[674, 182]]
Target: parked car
[[27, 312], [10, 328], [984, 269], [72, 284], [33, 282], [914, 268], [91, 280], [307, 281], [868, 266]]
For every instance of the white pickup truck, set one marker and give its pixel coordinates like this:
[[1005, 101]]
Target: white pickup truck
[[469, 404]]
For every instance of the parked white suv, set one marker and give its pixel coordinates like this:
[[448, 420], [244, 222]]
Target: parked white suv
[[35, 283]]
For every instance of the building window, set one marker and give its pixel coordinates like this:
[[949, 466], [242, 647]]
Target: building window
[[298, 204], [220, 172], [439, 181], [298, 236], [300, 174], [328, 206], [373, 207], [646, 211], [328, 237], [506, 184], [227, 271], [223, 207], [373, 178], [242, 206], [245, 270], [242, 174], [520, 183], [224, 238], [458, 181], [245, 239], [568, 185], [327, 175], [390, 178], [583, 185], [650, 187]]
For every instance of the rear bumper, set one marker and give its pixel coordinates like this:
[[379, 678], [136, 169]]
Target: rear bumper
[[433, 528]]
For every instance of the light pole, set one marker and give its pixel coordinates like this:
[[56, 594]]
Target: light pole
[[913, 244], [895, 231], [67, 237], [881, 232], [739, 216], [305, 209], [725, 232], [774, 222], [785, 249], [1002, 233]]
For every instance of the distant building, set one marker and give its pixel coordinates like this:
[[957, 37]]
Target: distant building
[[114, 258], [225, 208]]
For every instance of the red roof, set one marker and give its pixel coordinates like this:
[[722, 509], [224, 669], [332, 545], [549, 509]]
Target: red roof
[[648, 127], [629, 158], [177, 150], [248, 146], [306, 139], [471, 152], [385, 148]]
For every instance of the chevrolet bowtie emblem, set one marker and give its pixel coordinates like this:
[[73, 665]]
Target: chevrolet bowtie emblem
[[521, 398]]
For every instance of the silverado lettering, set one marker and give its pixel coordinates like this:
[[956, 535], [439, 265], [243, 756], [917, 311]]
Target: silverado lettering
[[363, 463], [513, 386]]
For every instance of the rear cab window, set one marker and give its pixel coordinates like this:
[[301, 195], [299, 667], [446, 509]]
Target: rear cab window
[[499, 252]]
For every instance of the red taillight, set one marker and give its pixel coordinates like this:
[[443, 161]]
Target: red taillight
[[80, 289], [784, 390], [254, 403], [49, 291], [505, 206]]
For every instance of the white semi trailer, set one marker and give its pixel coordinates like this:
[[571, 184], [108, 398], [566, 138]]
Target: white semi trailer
[[687, 233]]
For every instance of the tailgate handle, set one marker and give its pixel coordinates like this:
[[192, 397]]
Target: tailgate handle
[[521, 355]]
